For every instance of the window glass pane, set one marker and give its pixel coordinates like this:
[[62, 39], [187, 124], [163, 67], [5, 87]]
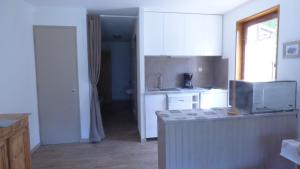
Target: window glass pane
[[260, 51]]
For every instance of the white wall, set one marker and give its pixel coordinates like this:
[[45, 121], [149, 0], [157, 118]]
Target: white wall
[[17, 63], [141, 74], [73, 17], [289, 30]]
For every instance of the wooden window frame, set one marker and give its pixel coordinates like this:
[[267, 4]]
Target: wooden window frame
[[241, 37]]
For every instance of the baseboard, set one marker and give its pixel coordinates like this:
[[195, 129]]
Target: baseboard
[[85, 140], [35, 148], [143, 140]]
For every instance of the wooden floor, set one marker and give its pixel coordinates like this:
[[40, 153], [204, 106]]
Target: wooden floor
[[120, 150]]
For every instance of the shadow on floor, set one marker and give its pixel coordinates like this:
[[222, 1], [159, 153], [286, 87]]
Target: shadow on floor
[[119, 122]]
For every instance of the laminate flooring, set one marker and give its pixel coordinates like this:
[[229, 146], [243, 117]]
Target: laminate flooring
[[120, 149]]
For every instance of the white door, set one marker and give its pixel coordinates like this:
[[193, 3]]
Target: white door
[[153, 39], [153, 104], [174, 34], [56, 67]]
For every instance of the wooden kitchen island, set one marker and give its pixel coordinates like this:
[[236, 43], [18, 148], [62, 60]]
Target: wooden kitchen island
[[14, 142], [211, 139]]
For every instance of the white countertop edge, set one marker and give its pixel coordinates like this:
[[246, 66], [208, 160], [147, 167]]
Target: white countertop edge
[[238, 117], [182, 91]]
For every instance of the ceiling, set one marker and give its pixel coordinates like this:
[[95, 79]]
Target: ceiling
[[117, 28], [191, 6]]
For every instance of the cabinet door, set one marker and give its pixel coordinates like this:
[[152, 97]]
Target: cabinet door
[[153, 39], [219, 99], [174, 34], [194, 35], [18, 152], [180, 101], [205, 100], [203, 35], [3, 155], [212, 35], [153, 104], [213, 99]]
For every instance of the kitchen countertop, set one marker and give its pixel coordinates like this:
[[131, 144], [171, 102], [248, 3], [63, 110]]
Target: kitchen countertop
[[181, 90], [210, 114]]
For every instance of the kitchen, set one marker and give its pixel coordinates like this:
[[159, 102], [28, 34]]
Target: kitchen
[[191, 57], [187, 89], [169, 88], [184, 68]]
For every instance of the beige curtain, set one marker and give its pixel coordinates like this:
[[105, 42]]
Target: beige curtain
[[94, 49]]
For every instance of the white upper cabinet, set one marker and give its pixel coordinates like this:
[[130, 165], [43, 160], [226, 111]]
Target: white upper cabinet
[[213, 35], [203, 35], [173, 34], [176, 34], [194, 36], [153, 35]]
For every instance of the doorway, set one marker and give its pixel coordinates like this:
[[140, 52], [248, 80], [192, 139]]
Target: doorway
[[57, 83], [117, 85]]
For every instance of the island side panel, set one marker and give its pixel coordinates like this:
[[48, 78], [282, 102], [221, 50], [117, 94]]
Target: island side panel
[[161, 144], [241, 143]]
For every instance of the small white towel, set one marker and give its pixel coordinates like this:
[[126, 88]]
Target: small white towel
[[290, 149]]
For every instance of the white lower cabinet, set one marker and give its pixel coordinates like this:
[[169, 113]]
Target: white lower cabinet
[[213, 99], [153, 103], [183, 101]]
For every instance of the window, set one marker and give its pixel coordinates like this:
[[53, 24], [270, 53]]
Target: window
[[257, 37]]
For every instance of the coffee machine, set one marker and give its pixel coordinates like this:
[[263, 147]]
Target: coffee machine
[[188, 80]]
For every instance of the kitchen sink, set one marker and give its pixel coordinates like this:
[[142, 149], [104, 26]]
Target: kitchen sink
[[163, 89], [170, 89]]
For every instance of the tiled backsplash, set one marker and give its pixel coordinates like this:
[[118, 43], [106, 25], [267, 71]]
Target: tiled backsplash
[[207, 71]]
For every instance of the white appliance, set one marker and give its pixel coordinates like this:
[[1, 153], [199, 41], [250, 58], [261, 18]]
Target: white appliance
[[214, 98], [260, 97], [183, 101]]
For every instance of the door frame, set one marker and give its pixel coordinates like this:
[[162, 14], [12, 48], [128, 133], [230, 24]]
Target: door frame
[[76, 75]]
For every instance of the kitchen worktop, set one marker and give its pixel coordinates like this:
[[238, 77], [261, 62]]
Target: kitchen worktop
[[210, 114], [180, 90]]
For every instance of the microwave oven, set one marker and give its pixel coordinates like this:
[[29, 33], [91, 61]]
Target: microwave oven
[[261, 97]]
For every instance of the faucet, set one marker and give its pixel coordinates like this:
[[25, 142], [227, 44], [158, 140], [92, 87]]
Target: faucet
[[159, 81]]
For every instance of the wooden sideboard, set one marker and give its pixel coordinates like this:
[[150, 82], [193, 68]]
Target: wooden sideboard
[[14, 142]]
